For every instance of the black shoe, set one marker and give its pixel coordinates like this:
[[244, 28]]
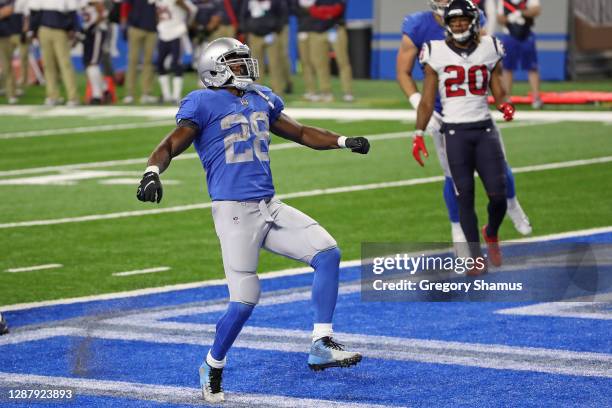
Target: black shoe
[[3, 326]]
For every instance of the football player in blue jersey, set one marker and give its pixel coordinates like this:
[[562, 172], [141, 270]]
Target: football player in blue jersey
[[229, 124], [417, 29]]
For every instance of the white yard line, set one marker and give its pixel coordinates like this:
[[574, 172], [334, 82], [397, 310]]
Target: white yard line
[[574, 308], [164, 393], [143, 271], [310, 193], [297, 113], [268, 275], [162, 289], [84, 129], [189, 156], [151, 124], [33, 268]]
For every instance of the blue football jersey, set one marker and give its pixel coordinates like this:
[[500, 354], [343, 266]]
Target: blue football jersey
[[233, 140], [422, 27]]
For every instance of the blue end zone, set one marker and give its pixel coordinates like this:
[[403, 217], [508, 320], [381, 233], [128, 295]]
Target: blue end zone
[[388, 381], [374, 381]]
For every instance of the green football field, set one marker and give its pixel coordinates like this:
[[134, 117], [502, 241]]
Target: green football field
[[68, 197]]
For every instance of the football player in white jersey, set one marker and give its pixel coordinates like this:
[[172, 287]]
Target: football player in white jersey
[[94, 17], [417, 29], [461, 69], [173, 17]]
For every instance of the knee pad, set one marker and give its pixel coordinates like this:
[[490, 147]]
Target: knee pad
[[244, 287]]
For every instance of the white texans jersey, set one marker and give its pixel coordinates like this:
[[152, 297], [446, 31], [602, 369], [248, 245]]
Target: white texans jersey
[[463, 77], [89, 15], [172, 19]]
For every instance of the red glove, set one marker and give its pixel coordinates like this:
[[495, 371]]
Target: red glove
[[418, 146], [508, 110]]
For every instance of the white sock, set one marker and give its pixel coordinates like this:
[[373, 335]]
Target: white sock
[[164, 84], [512, 202], [95, 81], [457, 232], [177, 88], [215, 363], [322, 330]]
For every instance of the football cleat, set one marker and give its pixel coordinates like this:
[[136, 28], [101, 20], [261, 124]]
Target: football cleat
[[519, 218], [210, 381], [477, 271], [3, 325], [493, 249], [326, 353]]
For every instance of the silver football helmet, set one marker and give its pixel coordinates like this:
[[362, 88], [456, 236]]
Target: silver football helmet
[[438, 6], [227, 62]]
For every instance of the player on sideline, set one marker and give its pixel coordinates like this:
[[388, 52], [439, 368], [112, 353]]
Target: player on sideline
[[460, 69], [417, 29], [172, 21], [229, 124], [95, 25]]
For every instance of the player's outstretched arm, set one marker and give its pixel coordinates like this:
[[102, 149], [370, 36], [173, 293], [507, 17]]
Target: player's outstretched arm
[[150, 188], [404, 64], [499, 93], [316, 138]]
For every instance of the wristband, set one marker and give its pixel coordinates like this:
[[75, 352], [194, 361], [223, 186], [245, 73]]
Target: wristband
[[154, 169], [415, 99], [342, 141], [419, 132]]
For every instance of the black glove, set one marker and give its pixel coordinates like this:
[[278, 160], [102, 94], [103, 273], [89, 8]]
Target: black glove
[[150, 188], [358, 144]]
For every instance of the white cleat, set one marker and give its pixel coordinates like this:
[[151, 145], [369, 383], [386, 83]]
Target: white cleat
[[518, 217], [210, 381]]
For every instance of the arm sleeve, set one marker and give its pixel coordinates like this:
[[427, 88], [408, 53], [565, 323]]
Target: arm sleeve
[[191, 109]]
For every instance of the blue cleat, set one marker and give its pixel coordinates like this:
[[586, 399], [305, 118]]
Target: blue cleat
[[210, 381], [326, 353]]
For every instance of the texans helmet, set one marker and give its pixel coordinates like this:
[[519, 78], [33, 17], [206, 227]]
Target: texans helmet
[[227, 62], [462, 8]]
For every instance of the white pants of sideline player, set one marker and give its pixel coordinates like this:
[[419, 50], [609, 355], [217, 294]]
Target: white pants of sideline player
[[244, 228]]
